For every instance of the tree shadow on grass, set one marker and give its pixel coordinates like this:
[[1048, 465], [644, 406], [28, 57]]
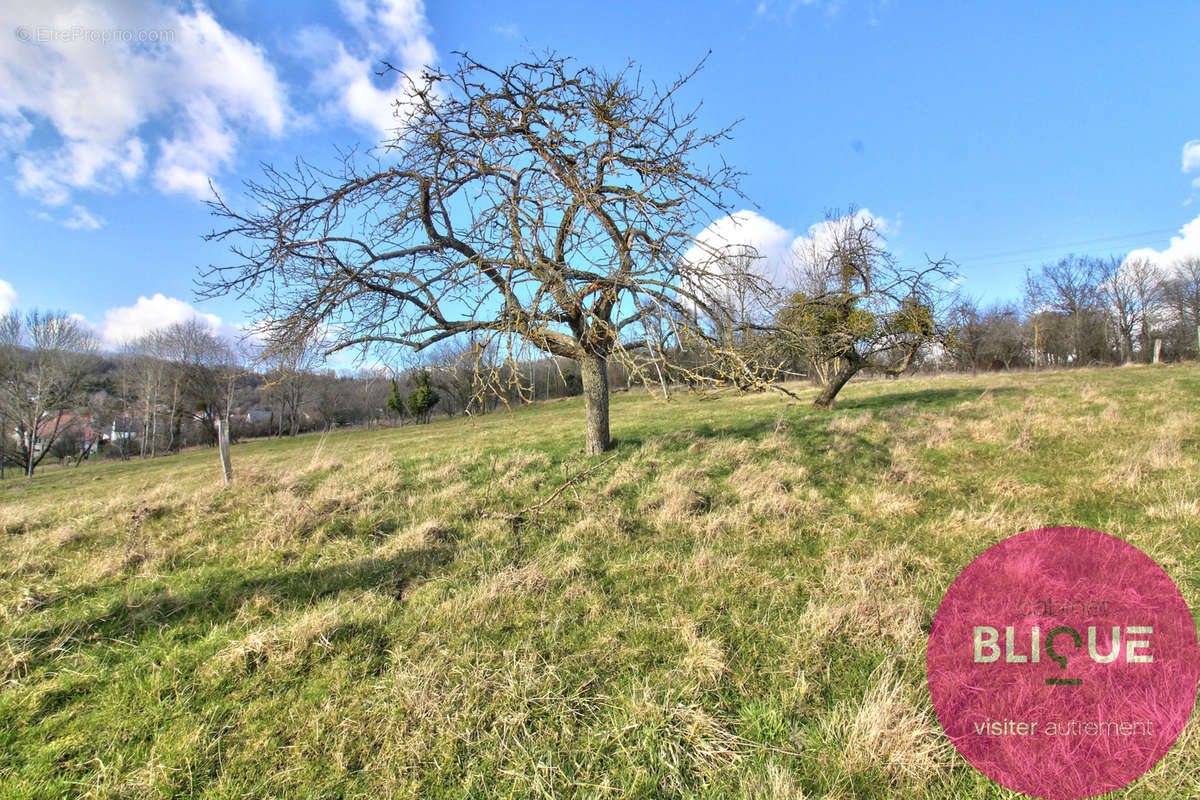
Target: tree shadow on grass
[[834, 456], [200, 609], [929, 399], [831, 457]]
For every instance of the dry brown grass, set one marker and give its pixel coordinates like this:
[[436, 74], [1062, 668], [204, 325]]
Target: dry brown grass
[[668, 634], [679, 496], [423, 535], [523, 580], [777, 444], [728, 451], [864, 597], [14, 663], [296, 635], [983, 523], [629, 474], [1176, 507], [777, 783], [762, 488], [939, 431], [886, 731], [906, 463], [882, 502], [694, 741], [518, 465], [851, 423], [703, 663]]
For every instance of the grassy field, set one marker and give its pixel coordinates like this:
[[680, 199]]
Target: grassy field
[[736, 605]]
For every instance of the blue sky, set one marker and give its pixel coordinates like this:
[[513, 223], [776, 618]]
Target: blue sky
[[1001, 134]]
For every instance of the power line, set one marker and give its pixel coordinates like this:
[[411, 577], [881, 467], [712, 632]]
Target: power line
[[1066, 246]]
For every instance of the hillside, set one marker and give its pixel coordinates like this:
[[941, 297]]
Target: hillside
[[735, 605]]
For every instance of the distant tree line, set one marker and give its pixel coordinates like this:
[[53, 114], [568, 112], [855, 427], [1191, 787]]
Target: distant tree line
[[63, 399], [850, 309], [1083, 310]]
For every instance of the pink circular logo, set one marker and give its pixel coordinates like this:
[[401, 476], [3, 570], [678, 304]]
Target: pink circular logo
[[1063, 663]]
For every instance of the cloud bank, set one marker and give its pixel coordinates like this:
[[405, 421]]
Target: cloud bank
[[1183, 246], [124, 324], [172, 102], [98, 96]]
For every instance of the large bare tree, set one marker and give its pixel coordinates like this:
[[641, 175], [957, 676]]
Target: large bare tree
[[544, 202]]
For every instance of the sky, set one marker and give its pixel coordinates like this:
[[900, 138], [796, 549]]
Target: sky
[[1000, 135]]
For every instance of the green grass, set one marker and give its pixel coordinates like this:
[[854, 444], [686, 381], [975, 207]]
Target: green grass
[[736, 605]]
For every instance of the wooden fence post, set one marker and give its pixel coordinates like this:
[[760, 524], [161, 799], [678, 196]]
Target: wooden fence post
[[223, 447], [1157, 349]]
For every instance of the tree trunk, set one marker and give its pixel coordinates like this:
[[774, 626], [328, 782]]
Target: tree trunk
[[594, 371], [840, 378], [222, 426]]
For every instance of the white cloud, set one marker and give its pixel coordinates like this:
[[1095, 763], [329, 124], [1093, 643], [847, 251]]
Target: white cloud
[[1185, 245], [778, 248], [395, 31], [745, 229], [781, 253], [107, 103], [1191, 155], [81, 219], [1191, 160], [8, 296], [186, 162], [785, 10], [820, 237], [124, 324]]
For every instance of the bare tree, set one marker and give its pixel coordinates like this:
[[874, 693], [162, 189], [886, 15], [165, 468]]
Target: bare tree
[[1118, 294], [966, 324], [145, 369], [1182, 292], [1133, 293], [543, 202], [44, 367], [1071, 287], [331, 399], [290, 364], [452, 364], [856, 307], [372, 387], [1005, 340], [204, 367]]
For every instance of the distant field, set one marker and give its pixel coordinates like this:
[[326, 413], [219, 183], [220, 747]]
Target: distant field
[[735, 606]]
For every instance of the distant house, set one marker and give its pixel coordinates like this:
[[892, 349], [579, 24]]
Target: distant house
[[65, 428], [123, 428], [256, 416]]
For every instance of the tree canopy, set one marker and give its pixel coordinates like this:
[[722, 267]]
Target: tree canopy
[[856, 307], [543, 202]]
